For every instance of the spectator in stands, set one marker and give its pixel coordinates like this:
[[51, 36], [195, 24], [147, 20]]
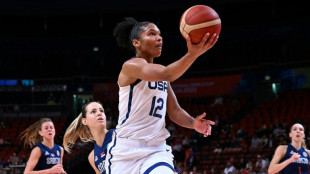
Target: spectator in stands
[[261, 164], [46, 156], [292, 157], [251, 170], [218, 149], [186, 141], [278, 130], [213, 171], [263, 141], [241, 164], [262, 131], [241, 133], [14, 159], [230, 168], [171, 127], [2, 171], [281, 140], [217, 101], [254, 142], [249, 164], [271, 141], [23, 160], [191, 159], [89, 126]]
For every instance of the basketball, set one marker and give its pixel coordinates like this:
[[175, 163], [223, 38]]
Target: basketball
[[199, 20]]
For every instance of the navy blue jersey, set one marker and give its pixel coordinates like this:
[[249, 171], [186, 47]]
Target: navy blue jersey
[[300, 166], [49, 157], [100, 152]]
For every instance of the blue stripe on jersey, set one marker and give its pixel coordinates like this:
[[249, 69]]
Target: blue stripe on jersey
[[130, 99], [157, 165], [111, 154], [100, 152]]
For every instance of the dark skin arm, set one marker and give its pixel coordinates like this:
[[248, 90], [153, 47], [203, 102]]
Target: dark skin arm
[[179, 116]]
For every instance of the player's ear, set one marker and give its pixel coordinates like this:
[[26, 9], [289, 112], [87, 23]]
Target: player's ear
[[136, 43], [84, 121], [40, 132]]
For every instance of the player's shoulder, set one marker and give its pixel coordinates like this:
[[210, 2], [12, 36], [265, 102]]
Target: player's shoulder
[[91, 154], [61, 148], [282, 148], [36, 151], [135, 60]]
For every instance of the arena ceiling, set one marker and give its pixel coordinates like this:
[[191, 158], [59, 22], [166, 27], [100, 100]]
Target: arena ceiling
[[65, 38]]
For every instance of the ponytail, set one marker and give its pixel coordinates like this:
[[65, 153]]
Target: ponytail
[[303, 144], [128, 30], [31, 135], [76, 130]]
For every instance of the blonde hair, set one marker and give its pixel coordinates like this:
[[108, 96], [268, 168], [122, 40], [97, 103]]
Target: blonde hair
[[77, 130], [31, 135]]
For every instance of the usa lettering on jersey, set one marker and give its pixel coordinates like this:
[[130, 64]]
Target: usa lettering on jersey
[[162, 86]]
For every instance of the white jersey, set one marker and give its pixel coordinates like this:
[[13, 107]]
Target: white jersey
[[142, 110]]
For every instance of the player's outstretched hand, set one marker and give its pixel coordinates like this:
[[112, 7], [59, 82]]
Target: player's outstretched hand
[[203, 126], [206, 43]]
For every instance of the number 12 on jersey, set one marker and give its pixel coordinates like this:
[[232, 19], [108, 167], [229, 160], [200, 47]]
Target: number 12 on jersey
[[157, 105]]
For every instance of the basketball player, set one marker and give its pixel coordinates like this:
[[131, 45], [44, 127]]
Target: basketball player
[[292, 158], [145, 95], [90, 125], [46, 156]]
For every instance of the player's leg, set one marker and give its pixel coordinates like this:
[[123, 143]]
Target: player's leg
[[159, 162]]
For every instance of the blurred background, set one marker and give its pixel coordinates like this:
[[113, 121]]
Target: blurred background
[[57, 55]]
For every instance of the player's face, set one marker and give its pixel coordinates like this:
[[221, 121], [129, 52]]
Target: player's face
[[47, 130], [297, 132], [150, 42], [95, 115]]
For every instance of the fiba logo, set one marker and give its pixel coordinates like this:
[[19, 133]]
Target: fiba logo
[[304, 154]]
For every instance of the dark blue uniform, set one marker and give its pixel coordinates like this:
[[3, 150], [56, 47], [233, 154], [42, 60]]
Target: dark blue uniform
[[300, 166], [100, 152], [49, 157]]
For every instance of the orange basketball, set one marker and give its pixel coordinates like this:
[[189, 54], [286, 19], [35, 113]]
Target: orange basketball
[[199, 20]]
